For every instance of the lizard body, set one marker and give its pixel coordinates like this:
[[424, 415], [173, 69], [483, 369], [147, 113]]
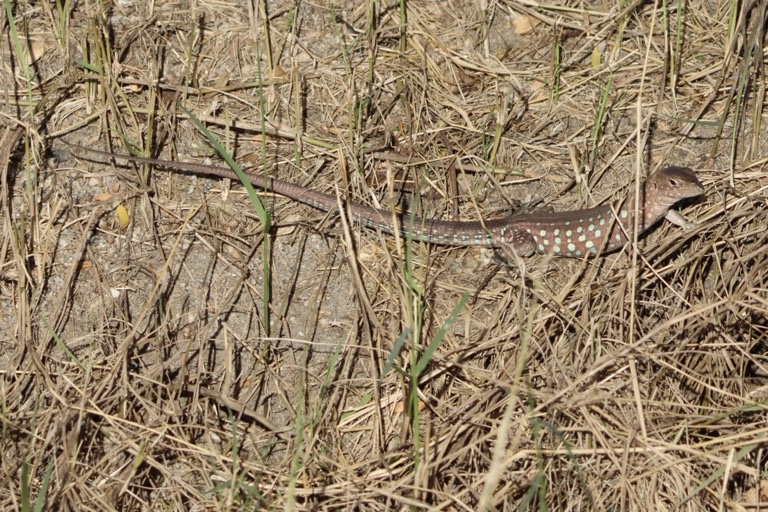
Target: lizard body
[[577, 233]]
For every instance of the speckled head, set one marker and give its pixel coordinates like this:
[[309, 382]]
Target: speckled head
[[666, 187], [672, 184]]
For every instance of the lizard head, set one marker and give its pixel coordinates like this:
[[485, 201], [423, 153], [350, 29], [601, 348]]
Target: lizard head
[[672, 184]]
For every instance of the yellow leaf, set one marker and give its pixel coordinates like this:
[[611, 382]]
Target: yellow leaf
[[522, 25], [122, 216]]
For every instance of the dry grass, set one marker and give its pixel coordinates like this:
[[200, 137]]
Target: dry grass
[[184, 361]]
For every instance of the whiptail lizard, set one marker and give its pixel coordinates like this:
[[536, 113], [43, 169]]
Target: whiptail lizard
[[594, 231]]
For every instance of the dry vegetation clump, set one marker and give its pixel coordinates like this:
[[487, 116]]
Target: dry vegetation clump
[[163, 350]]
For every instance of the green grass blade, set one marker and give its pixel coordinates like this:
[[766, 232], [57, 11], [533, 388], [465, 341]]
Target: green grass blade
[[427, 355], [261, 212]]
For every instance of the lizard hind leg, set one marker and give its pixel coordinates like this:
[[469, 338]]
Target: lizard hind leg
[[515, 243], [531, 208]]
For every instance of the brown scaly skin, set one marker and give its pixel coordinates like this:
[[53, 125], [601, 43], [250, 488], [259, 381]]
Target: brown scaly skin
[[577, 233]]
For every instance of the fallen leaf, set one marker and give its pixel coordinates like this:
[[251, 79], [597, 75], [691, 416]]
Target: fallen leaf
[[122, 216]]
